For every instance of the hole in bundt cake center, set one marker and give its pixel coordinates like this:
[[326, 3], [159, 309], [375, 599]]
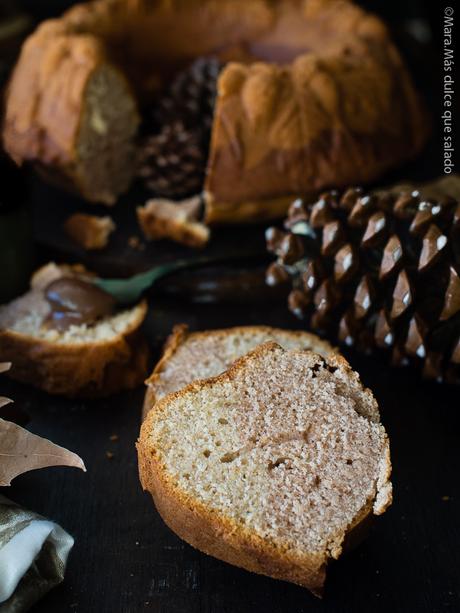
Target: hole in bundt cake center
[[276, 54]]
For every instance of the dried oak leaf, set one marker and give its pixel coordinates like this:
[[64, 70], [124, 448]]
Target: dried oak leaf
[[21, 451]]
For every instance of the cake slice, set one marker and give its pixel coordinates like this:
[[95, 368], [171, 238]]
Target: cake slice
[[189, 356], [97, 357], [89, 231], [271, 466], [177, 221]]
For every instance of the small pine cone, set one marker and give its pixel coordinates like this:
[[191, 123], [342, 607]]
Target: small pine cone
[[174, 153], [377, 272], [191, 96], [172, 163]]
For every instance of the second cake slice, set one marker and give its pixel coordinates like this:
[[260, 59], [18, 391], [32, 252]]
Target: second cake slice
[[189, 356]]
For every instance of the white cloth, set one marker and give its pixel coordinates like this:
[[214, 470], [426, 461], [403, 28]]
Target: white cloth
[[32, 549]]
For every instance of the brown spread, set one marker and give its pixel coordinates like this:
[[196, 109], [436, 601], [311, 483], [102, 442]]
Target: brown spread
[[74, 301]]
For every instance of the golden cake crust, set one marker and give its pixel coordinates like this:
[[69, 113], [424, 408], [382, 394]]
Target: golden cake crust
[[46, 96], [84, 370]]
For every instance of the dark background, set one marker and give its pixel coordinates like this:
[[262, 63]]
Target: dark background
[[126, 560]]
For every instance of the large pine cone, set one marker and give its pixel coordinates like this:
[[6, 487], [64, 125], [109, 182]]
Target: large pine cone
[[378, 272]]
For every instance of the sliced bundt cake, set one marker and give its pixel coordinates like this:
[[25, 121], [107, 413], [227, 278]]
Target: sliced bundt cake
[[312, 94]]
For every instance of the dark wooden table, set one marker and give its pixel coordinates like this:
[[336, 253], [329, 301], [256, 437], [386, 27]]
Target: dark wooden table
[[126, 560]]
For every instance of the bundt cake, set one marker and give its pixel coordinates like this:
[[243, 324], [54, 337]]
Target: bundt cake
[[312, 94]]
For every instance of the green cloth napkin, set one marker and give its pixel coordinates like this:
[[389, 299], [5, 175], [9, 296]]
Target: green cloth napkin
[[33, 556]]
